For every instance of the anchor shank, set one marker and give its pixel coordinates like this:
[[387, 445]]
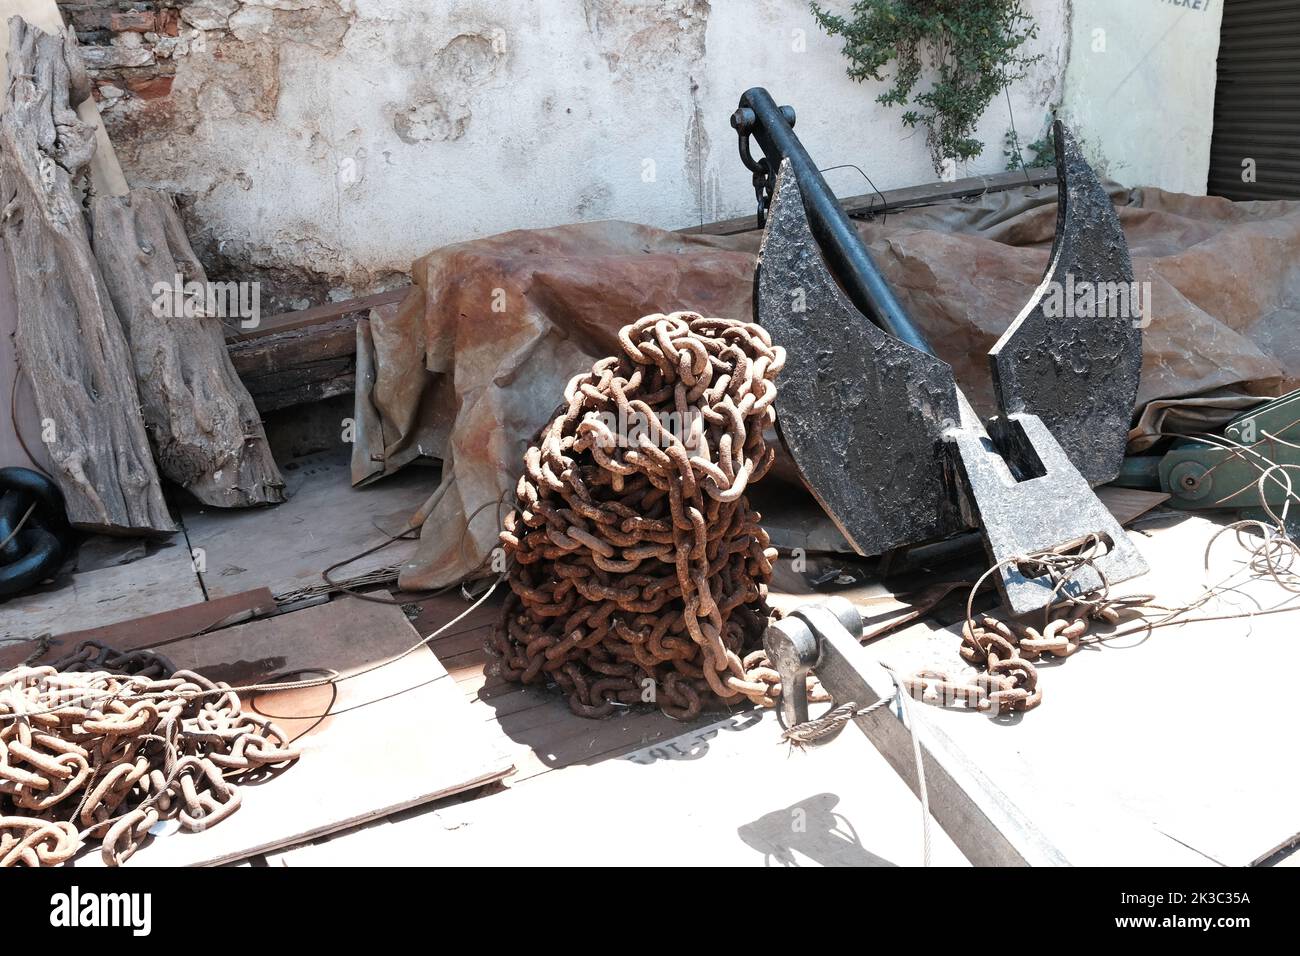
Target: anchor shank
[[845, 253]]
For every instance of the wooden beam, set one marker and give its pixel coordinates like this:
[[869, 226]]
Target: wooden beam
[[150, 631], [304, 385], [985, 822], [318, 314], [297, 366], [892, 199]]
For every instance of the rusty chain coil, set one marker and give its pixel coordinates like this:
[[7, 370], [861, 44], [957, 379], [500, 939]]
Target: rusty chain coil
[[637, 562], [106, 745]]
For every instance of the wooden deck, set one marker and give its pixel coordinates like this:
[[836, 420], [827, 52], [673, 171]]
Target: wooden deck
[[533, 727], [640, 787], [1117, 764]]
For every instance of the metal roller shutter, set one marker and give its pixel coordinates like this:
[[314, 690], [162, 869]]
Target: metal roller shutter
[[1257, 101]]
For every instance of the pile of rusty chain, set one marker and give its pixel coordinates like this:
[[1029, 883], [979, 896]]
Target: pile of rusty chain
[[105, 745], [639, 570], [1004, 653]]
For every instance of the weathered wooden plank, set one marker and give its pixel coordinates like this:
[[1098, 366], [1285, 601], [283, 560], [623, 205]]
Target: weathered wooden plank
[[162, 580], [727, 793], [981, 819], [324, 521], [395, 737], [297, 366], [150, 631], [321, 314], [206, 432], [70, 342], [303, 386], [275, 354]]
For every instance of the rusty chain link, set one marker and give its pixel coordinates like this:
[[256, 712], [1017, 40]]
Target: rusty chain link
[[1004, 653], [81, 755], [636, 556]]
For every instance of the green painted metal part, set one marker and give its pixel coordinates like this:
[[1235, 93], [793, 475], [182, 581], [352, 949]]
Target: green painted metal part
[[1225, 472]]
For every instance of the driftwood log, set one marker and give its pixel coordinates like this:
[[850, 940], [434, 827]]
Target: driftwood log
[[69, 339], [206, 432]]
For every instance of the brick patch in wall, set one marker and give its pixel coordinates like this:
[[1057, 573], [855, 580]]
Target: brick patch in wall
[[169, 22], [150, 88], [126, 45]]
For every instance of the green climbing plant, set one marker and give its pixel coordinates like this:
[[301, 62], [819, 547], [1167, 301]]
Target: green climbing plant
[[970, 50], [1038, 154]]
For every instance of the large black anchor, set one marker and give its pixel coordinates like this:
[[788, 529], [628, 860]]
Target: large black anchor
[[874, 420], [33, 505]]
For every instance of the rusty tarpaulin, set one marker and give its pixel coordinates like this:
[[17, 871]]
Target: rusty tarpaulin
[[476, 358]]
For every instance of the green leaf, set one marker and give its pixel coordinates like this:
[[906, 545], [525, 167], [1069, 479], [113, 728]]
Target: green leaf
[[972, 50]]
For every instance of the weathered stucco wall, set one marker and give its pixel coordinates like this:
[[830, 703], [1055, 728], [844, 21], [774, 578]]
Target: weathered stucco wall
[[1139, 88], [321, 145]]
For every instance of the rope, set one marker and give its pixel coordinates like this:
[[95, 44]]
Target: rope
[[19, 526], [921, 789], [13, 417], [802, 736], [389, 574], [43, 644]]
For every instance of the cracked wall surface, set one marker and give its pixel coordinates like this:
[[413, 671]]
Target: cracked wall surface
[[322, 145]]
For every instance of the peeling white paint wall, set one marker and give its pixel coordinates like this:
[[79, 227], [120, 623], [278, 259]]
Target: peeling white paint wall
[[343, 138], [1139, 88]]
